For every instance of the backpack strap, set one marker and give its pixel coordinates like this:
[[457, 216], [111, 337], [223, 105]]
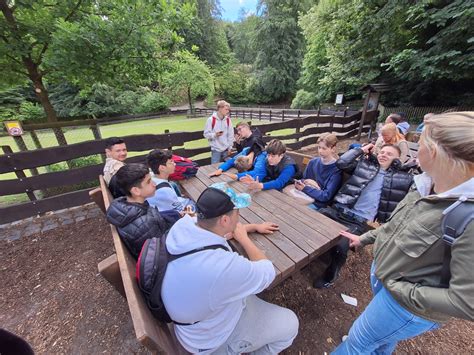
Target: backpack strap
[[162, 185], [455, 220], [213, 124], [228, 122]]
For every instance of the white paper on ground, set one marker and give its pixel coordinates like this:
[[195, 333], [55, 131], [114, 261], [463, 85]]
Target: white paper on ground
[[349, 300]]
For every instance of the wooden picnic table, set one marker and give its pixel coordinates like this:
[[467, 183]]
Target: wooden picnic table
[[304, 233]]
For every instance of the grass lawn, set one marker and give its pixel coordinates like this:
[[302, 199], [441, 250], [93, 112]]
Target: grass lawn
[[81, 134]]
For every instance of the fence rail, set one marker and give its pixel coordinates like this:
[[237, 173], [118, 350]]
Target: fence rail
[[415, 114], [306, 130]]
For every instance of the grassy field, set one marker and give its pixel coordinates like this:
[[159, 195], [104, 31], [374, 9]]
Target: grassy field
[[151, 126]]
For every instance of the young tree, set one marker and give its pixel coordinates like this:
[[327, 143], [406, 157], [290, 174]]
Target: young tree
[[85, 42]]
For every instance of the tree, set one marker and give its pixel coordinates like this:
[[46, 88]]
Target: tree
[[85, 42], [189, 74], [280, 49], [242, 38]]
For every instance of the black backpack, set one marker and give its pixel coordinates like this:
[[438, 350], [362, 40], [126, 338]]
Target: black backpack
[[150, 272], [455, 220]]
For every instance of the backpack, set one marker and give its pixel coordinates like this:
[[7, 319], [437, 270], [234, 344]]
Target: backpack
[[455, 220], [150, 272], [213, 124], [185, 168]]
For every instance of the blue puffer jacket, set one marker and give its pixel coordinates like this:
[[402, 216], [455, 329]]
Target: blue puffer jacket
[[137, 222]]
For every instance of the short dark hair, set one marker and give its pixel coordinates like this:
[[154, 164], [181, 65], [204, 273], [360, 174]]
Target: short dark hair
[[156, 158], [276, 147], [403, 116], [131, 175], [394, 146], [110, 142]]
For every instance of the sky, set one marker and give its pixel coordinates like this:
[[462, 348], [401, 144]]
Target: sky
[[231, 8]]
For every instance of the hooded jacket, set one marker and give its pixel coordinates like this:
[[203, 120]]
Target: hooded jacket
[[396, 181], [409, 253], [137, 222]]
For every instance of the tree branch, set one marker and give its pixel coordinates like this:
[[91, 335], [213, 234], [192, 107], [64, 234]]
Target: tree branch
[[73, 11]]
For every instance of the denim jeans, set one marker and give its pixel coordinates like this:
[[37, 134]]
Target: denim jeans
[[217, 157], [382, 324]]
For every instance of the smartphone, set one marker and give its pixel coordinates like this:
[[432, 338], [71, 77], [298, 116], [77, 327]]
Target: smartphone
[[221, 132]]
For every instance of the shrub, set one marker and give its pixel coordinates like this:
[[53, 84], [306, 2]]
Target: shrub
[[152, 101], [31, 112], [303, 100]]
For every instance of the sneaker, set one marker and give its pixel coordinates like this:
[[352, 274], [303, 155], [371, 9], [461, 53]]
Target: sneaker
[[344, 337]]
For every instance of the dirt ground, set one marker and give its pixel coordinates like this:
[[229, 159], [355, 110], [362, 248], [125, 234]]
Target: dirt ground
[[52, 295]]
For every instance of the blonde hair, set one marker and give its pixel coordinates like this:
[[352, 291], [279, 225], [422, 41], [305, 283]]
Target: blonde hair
[[222, 103], [451, 136], [392, 128], [329, 139], [242, 164]]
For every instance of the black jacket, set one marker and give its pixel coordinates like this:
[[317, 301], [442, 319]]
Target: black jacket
[[396, 181], [137, 222], [254, 142]]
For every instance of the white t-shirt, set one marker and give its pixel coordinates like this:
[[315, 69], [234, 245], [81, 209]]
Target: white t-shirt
[[209, 287]]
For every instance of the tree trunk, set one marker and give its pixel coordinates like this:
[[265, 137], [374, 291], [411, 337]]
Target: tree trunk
[[190, 100], [40, 91]]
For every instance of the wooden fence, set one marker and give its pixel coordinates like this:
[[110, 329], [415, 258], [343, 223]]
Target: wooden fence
[[306, 130], [415, 114]]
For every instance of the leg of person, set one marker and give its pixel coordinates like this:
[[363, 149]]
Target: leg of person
[[263, 328], [215, 156], [381, 326]]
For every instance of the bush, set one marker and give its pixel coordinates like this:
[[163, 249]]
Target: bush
[[152, 101], [304, 100], [31, 112], [74, 164]]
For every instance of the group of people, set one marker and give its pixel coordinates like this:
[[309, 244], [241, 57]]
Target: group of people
[[211, 294]]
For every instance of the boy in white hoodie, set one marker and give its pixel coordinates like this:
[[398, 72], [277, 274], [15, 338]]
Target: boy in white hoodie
[[220, 132]]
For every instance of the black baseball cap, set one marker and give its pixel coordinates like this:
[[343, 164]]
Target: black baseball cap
[[213, 203]]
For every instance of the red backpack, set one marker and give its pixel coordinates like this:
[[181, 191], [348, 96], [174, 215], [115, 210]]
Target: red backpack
[[214, 121], [185, 168]]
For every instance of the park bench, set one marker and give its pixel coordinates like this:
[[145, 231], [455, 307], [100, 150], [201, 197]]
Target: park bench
[[119, 270]]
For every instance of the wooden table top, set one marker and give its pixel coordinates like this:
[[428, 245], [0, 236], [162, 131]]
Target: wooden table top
[[304, 233]]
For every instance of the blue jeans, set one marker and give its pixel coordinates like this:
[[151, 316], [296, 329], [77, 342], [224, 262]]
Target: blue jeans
[[382, 324], [217, 157]]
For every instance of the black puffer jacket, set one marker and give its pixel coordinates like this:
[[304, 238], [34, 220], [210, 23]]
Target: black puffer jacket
[[396, 181], [137, 222]]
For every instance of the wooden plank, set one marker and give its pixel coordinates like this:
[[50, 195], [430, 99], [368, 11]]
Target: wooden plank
[[24, 210], [110, 270], [96, 196], [155, 335]]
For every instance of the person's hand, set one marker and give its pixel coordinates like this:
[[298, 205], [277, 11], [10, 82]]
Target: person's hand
[[267, 228], [299, 185], [231, 175], [237, 138], [255, 186], [220, 133], [354, 239], [246, 179], [312, 183], [367, 148], [218, 172], [239, 232]]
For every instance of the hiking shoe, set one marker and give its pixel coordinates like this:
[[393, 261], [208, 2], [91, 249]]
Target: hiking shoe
[[321, 283]]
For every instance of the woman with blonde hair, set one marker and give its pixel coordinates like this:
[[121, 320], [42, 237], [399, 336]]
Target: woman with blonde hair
[[421, 277], [389, 134], [322, 178]]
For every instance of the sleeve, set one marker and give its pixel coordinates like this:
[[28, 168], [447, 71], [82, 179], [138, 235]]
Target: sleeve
[[165, 198], [230, 163], [230, 134], [240, 278], [170, 217], [348, 161], [259, 169], [458, 299], [280, 182], [404, 151], [208, 132], [369, 237], [327, 193]]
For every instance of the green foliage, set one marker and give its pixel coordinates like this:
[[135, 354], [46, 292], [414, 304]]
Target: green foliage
[[280, 50], [31, 112], [242, 38], [304, 100], [189, 77], [232, 83], [151, 101]]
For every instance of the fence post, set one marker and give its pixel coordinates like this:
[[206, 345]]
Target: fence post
[[259, 114], [23, 148], [58, 132], [282, 115], [243, 115], [170, 147], [97, 136], [251, 115], [35, 139], [19, 173], [299, 114], [270, 118]]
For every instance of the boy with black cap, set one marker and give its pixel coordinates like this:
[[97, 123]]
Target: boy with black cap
[[213, 291]]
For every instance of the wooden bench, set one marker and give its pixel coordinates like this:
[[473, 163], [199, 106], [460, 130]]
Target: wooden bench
[[119, 270]]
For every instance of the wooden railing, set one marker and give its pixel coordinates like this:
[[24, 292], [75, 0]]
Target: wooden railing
[[306, 130]]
